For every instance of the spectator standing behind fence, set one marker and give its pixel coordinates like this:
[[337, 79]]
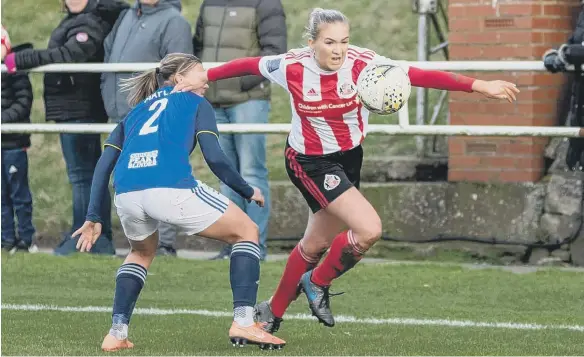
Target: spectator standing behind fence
[[147, 32], [16, 197], [554, 62], [229, 29], [76, 98]]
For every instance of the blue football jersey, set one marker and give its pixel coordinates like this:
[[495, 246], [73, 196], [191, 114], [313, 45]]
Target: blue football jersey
[[156, 139]]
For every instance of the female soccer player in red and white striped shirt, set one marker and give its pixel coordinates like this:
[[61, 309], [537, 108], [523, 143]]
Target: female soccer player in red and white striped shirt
[[324, 153]]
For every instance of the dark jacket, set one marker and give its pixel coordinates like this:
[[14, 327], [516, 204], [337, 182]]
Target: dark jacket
[[143, 33], [577, 36], [229, 29], [575, 156], [78, 39], [16, 104]]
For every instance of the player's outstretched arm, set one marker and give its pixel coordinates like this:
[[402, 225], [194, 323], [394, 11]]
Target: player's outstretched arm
[[456, 82], [234, 68], [208, 138], [91, 229]]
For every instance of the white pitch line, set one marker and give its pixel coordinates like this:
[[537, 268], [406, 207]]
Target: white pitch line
[[340, 318]]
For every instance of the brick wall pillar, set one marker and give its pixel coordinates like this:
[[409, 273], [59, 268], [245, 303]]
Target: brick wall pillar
[[510, 30]]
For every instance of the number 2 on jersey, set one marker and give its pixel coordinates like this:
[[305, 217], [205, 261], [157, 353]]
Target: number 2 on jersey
[[159, 106]]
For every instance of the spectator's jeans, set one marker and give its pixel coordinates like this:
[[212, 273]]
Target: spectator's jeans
[[247, 153], [16, 198], [81, 152], [166, 234]]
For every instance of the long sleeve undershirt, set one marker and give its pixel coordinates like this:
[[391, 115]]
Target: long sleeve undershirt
[[418, 77]]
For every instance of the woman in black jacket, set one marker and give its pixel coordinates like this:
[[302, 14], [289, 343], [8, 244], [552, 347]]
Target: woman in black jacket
[[76, 98], [16, 197], [575, 157], [554, 62]]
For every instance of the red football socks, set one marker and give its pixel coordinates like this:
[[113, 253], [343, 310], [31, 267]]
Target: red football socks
[[343, 255], [298, 264]]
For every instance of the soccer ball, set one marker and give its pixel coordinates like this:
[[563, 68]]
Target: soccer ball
[[383, 88]]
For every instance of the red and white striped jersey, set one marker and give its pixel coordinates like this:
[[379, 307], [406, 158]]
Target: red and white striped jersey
[[326, 115]]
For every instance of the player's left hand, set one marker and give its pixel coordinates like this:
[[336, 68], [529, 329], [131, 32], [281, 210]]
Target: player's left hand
[[90, 231], [496, 89], [258, 197]]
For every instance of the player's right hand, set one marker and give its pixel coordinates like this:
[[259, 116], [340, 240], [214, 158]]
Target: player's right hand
[[195, 84], [258, 197], [90, 231]]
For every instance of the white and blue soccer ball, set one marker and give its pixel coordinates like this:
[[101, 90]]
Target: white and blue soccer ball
[[383, 88]]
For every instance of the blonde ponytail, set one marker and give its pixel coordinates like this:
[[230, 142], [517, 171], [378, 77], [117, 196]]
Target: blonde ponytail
[[140, 86], [147, 82]]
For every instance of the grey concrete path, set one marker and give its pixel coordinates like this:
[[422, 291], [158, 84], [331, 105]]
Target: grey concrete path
[[518, 269]]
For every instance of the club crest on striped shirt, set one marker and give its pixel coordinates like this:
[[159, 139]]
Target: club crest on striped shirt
[[331, 182], [346, 90]]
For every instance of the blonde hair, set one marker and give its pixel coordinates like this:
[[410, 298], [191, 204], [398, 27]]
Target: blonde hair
[[320, 16], [144, 84]]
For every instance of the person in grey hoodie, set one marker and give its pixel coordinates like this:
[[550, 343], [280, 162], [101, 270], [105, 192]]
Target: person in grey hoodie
[[146, 32]]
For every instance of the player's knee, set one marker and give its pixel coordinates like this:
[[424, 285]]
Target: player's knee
[[314, 248], [250, 232], [374, 233], [370, 234], [145, 251]]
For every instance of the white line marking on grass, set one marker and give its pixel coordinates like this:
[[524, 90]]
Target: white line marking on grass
[[340, 318]]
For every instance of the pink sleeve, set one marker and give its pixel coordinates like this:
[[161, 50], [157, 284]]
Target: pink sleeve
[[440, 80], [10, 62], [235, 68]]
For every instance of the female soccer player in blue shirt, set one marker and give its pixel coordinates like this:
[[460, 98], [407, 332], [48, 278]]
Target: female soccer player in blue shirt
[[153, 181]]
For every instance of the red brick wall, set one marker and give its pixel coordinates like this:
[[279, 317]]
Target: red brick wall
[[514, 30]]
